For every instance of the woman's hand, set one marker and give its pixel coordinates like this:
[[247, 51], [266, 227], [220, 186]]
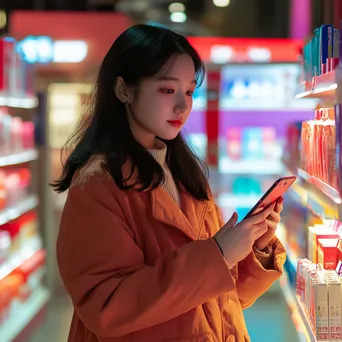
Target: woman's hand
[[272, 222], [236, 240]]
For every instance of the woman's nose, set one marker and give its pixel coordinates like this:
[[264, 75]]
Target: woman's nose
[[181, 105]]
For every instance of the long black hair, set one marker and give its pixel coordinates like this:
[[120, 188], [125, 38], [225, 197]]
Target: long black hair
[[139, 53]]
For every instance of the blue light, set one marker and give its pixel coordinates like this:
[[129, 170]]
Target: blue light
[[37, 49]]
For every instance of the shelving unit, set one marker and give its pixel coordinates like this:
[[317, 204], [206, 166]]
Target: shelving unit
[[17, 134], [230, 200], [298, 315], [18, 209], [19, 257], [25, 102], [320, 198], [19, 158], [321, 86], [308, 191], [250, 166]]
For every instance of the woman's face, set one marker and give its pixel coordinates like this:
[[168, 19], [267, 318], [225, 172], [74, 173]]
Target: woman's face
[[161, 106]]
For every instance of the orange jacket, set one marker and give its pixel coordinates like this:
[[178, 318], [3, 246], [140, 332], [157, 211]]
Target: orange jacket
[[138, 268]]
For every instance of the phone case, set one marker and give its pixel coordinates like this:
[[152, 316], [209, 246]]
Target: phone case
[[277, 190]]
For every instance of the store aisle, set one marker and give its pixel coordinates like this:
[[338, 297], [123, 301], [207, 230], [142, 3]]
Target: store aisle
[[55, 324], [269, 320]]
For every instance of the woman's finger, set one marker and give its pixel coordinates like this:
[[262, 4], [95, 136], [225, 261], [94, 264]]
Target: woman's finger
[[280, 200], [271, 224], [260, 229], [279, 205], [258, 218], [275, 217]]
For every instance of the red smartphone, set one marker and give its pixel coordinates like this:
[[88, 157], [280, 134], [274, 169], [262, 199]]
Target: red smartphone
[[277, 190]]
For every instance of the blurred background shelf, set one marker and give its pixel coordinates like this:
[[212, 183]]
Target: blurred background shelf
[[321, 86], [19, 158], [229, 200], [251, 166], [18, 209], [23, 315], [27, 102], [17, 258]]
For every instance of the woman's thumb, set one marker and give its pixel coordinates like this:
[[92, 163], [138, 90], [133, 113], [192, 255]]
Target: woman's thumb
[[232, 221]]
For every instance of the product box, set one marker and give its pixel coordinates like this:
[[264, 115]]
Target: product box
[[327, 253], [316, 232], [316, 53], [269, 136], [319, 308], [234, 143], [304, 268], [307, 146], [336, 50], [252, 143], [328, 142], [326, 45], [335, 310], [317, 146], [310, 273]]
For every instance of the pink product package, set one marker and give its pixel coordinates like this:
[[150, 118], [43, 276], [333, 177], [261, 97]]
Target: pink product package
[[234, 136]]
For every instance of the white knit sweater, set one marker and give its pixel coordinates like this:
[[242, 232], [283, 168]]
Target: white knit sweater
[[159, 154]]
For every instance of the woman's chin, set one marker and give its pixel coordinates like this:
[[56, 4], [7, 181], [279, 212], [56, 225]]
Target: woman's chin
[[169, 135]]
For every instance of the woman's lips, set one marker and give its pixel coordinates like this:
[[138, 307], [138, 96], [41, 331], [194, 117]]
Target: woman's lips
[[176, 123]]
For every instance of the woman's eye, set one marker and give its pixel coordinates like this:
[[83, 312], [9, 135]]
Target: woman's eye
[[190, 93], [167, 91]]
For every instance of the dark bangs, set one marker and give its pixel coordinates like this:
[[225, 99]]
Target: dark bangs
[[155, 56]]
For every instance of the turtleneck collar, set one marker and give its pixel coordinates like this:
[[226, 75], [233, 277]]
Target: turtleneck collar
[[159, 152]]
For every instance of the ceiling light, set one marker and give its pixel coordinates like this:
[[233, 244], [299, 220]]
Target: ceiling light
[[178, 17], [3, 19], [176, 7], [221, 3]]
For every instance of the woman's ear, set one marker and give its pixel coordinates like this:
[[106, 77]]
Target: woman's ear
[[121, 90]]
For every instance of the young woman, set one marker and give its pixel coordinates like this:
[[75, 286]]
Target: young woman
[[142, 249]]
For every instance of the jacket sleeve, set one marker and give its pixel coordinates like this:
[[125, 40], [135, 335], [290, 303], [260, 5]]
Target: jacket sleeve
[[113, 291], [252, 279]]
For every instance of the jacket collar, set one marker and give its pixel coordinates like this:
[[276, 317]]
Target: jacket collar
[[189, 218]]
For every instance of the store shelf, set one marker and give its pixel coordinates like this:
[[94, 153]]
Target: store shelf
[[228, 200], [311, 192], [19, 209], [317, 196], [19, 158], [250, 166], [24, 314], [306, 322], [19, 257], [298, 315], [321, 86], [26, 102]]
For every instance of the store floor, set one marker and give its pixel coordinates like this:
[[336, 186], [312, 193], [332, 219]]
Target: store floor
[[268, 320]]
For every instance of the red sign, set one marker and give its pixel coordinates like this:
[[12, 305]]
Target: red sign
[[212, 116], [97, 29], [246, 50]]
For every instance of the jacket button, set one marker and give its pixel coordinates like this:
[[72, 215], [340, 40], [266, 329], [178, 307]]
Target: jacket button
[[230, 338]]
